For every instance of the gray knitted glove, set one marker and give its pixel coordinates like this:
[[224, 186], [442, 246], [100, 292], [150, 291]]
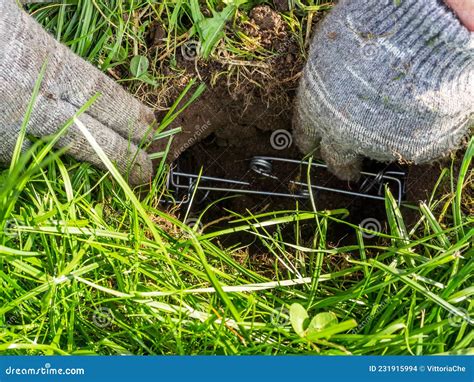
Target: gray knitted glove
[[390, 80], [117, 121]]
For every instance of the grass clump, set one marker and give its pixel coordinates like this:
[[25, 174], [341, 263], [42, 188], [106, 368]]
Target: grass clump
[[87, 268], [119, 36]]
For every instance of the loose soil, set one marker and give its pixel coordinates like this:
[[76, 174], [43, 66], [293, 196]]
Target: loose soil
[[233, 122]]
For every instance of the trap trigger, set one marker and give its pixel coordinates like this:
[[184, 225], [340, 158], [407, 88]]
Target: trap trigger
[[395, 180]]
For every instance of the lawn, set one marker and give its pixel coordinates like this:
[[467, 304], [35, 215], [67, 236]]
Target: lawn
[[91, 266]]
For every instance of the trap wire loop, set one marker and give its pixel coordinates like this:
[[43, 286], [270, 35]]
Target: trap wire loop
[[371, 185]]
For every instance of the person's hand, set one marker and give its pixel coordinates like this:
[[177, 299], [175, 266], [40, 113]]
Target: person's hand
[[389, 80], [117, 121], [464, 9]]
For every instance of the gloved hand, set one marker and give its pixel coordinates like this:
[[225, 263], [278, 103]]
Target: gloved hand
[[116, 120], [389, 80]]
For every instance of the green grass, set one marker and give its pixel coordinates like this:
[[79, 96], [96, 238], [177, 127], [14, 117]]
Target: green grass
[[88, 267], [114, 34]]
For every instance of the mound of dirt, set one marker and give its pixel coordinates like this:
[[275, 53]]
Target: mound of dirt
[[248, 96], [267, 27]]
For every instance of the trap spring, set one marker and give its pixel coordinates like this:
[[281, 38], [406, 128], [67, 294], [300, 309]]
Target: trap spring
[[371, 185]]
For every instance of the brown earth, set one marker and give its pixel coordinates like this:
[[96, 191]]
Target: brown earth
[[235, 118]]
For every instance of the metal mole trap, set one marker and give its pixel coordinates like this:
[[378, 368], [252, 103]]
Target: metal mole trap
[[182, 185]]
